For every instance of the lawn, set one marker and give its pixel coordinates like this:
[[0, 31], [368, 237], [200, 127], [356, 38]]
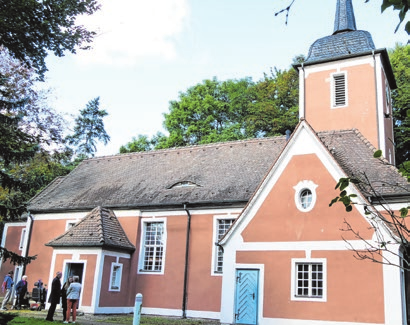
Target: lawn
[[27, 319]]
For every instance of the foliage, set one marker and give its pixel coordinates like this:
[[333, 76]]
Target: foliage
[[89, 129], [29, 29], [400, 60], [401, 5], [389, 226], [218, 111]]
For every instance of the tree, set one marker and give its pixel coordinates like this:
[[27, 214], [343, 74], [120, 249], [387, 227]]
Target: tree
[[218, 111], [400, 60], [29, 29], [401, 5], [89, 129], [213, 111], [276, 106]]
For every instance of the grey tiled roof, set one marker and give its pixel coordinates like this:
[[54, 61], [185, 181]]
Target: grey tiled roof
[[224, 173], [99, 228], [346, 39], [340, 45], [355, 155]]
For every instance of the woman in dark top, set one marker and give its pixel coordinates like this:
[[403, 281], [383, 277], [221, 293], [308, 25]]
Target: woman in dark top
[[21, 290]]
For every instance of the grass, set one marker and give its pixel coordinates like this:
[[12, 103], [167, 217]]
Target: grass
[[27, 319]]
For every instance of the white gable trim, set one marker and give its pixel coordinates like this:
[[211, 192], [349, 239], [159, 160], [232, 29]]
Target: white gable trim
[[303, 141]]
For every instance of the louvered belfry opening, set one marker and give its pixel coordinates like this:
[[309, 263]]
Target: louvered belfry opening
[[339, 90]]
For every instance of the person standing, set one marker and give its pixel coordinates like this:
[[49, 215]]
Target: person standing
[[21, 290], [54, 297], [64, 296], [73, 295], [9, 288]]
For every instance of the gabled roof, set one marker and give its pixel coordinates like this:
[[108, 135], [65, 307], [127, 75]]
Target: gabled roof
[[99, 228], [207, 175], [354, 154], [219, 174]]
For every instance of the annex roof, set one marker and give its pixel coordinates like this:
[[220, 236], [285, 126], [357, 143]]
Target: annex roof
[[99, 228]]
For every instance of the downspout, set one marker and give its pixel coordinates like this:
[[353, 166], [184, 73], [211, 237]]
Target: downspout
[[377, 104], [185, 291], [28, 239]]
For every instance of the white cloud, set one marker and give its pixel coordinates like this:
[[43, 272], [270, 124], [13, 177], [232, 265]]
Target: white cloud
[[132, 29]]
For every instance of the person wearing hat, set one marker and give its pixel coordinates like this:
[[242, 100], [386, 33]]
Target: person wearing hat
[[8, 280]]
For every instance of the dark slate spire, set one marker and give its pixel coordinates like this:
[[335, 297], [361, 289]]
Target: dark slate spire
[[346, 40], [344, 19]]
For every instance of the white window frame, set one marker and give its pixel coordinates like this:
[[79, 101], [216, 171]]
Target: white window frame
[[293, 279], [117, 278], [299, 188], [70, 223], [216, 249], [22, 238], [333, 89], [388, 99], [144, 223]]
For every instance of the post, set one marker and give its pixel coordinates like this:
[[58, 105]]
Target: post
[[137, 309]]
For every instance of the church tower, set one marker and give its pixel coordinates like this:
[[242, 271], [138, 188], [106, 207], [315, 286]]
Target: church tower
[[345, 83]]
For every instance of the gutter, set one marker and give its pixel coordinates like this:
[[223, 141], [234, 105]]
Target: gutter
[[185, 289]]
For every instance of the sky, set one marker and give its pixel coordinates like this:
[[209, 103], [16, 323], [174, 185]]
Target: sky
[[149, 51]]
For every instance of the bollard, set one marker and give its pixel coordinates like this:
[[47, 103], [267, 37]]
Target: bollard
[[137, 309]]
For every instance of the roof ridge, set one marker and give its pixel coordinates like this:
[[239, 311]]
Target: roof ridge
[[176, 149]]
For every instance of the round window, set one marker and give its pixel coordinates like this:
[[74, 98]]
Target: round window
[[305, 195], [305, 198]]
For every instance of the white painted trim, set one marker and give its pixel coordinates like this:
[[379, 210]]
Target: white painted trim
[[161, 311], [203, 314], [8, 225], [141, 252], [293, 279], [333, 88], [136, 213], [119, 274], [299, 187], [302, 92], [216, 218], [282, 321], [108, 310], [71, 221], [392, 288], [338, 65], [23, 239]]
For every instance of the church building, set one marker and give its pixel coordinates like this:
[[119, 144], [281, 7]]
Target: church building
[[242, 231]]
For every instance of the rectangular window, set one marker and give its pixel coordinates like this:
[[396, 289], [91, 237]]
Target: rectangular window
[[116, 275], [339, 90], [308, 279], [153, 247], [222, 226], [22, 238]]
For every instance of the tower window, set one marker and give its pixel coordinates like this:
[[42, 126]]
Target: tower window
[[339, 90]]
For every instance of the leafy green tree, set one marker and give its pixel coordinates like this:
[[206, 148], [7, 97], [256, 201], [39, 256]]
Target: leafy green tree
[[89, 129], [400, 60], [274, 109], [209, 112], [29, 29]]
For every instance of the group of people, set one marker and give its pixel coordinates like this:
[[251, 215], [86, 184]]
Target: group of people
[[69, 294], [21, 290]]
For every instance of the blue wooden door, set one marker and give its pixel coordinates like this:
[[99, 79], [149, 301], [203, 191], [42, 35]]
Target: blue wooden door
[[246, 296]]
